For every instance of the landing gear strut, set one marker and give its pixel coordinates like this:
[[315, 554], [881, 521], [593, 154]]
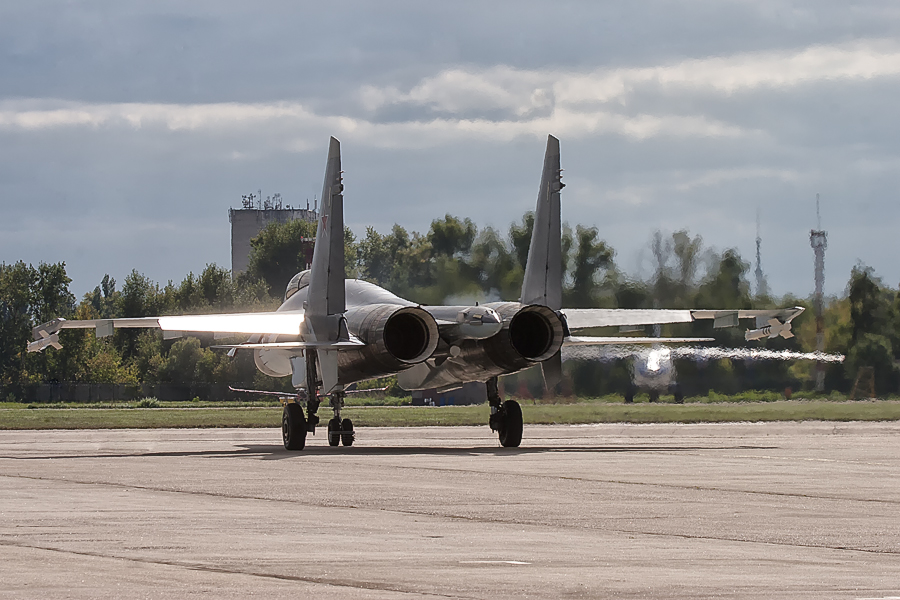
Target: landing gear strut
[[506, 417], [312, 392], [339, 430]]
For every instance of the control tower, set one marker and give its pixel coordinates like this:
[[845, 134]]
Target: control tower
[[254, 215], [818, 239]]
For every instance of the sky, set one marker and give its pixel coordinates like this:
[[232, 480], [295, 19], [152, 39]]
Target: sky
[[128, 129]]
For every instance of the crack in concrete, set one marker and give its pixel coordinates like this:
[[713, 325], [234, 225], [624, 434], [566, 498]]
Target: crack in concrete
[[365, 585], [467, 518]]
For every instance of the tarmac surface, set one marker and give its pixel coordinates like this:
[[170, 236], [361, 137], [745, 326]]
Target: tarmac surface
[[774, 510]]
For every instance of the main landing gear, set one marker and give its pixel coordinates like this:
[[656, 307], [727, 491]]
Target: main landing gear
[[506, 417], [295, 426]]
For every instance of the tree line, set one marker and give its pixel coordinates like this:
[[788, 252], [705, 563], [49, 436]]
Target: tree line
[[453, 262]]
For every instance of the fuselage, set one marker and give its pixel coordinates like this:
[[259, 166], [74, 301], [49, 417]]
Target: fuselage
[[654, 369], [473, 343]]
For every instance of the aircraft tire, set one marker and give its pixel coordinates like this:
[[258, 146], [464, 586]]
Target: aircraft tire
[[334, 426], [347, 436], [293, 427], [511, 425]]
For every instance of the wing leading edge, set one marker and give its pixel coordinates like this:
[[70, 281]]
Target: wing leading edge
[[586, 318], [285, 322]]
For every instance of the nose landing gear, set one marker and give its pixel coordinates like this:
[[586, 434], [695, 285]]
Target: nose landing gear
[[339, 430]]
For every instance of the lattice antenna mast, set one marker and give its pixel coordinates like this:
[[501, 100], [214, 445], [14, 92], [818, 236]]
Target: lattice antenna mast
[[762, 288], [818, 239]]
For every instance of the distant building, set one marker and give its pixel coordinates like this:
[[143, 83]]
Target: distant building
[[248, 221]]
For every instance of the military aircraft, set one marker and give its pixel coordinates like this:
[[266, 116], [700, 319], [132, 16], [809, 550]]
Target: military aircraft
[[331, 331]]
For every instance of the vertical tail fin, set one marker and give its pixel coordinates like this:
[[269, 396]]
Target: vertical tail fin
[[543, 271], [326, 277], [326, 303]]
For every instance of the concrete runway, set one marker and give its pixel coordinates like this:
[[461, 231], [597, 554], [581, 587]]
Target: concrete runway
[[806, 510]]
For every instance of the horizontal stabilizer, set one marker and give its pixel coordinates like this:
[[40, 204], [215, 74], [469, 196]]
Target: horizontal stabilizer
[[624, 341], [353, 342], [292, 396], [551, 369]]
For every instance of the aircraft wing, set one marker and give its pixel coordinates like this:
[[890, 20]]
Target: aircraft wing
[[625, 341], [585, 318], [279, 322]]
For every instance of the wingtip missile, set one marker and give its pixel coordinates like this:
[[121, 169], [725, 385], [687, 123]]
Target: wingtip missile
[[46, 334], [774, 329], [44, 342]]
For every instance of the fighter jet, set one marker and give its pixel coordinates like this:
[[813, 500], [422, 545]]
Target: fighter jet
[[332, 332]]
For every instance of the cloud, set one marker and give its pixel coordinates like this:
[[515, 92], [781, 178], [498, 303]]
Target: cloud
[[660, 130], [47, 114], [740, 72], [296, 118], [521, 92], [501, 102]]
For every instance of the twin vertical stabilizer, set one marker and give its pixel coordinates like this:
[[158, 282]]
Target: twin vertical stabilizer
[[543, 271], [326, 303], [326, 277]]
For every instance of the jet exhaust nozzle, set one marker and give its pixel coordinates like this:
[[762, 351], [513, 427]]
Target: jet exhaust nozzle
[[531, 334], [536, 333], [410, 335], [396, 337]]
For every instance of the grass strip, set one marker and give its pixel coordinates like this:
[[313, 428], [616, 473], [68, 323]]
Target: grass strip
[[408, 416]]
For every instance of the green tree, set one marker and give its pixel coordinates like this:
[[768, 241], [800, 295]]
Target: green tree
[[187, 361], [104, 365], [869, 305], [493, 262], [51, 295], [30, 296], [726, 286], [140, 297], [873, 350], [280, 251], [451, 236], [16, 283], [103, 298], [687, 253], [590, 257], [520, 237]]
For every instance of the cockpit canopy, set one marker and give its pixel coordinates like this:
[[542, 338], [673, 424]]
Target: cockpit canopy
[[297, 283]]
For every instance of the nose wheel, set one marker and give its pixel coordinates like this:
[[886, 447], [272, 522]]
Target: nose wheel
[[340, 431]]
